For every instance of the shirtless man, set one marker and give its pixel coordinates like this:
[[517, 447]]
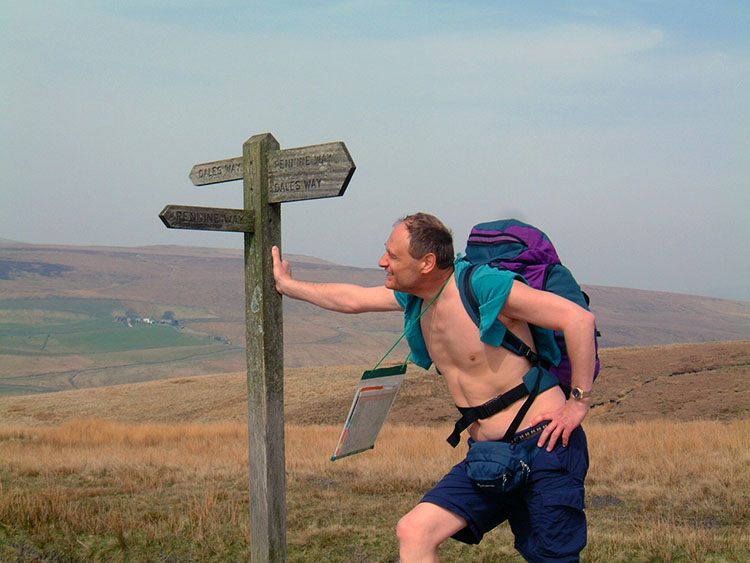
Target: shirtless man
[[546, 515]]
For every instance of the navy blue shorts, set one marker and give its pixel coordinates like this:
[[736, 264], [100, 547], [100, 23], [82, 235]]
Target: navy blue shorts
[[546, 514]]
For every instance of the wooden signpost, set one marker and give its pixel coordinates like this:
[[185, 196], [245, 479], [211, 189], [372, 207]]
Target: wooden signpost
[[270, 176]]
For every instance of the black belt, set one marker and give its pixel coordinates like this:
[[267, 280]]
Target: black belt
[[529, 433]]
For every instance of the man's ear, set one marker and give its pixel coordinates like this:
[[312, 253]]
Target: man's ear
[[429, 262]]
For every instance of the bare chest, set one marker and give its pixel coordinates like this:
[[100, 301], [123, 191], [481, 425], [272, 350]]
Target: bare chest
[[451, 337], [473, 370]]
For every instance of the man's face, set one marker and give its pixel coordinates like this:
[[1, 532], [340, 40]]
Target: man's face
[[402, 270]]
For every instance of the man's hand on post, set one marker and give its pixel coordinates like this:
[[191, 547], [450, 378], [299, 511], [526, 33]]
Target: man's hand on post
[[282, 270]]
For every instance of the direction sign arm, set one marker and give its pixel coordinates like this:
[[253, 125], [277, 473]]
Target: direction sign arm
[[208, 218], [339, 297]]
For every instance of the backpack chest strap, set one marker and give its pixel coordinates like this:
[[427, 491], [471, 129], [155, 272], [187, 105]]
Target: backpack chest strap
[[469, 415], [536, 381]]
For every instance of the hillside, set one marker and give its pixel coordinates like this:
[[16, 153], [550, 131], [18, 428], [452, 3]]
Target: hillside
[[58, 306], [657, 382]]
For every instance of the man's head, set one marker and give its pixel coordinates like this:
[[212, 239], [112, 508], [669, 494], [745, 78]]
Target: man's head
[[428, 234], [418, 250]]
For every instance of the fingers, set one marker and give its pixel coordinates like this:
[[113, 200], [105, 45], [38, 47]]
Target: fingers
[[560, 432], [278, 264], [559, 428], [282, 271], [551, 434], [550, 417], [562, 423], [548, 434]]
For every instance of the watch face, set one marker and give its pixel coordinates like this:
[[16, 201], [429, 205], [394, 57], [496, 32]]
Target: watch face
[[578, 393]]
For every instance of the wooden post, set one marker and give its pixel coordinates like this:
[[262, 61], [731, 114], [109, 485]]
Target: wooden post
[[265, 360], [270, 176]]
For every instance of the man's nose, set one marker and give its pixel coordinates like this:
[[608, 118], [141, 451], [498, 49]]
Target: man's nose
[[383, 261]]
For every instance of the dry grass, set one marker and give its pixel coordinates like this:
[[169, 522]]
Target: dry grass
[[103, 490], [158, 471], [635, 384]]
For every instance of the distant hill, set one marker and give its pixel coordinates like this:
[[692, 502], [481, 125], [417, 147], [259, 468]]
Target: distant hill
[[46, 344], [650, 383]]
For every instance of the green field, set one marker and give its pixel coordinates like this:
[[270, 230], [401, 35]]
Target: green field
[[79, 326], [57, 344]]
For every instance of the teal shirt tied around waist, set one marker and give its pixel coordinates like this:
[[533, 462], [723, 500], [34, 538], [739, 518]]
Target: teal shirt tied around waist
[[492, 287]]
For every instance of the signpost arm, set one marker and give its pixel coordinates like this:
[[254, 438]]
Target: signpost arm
[[265, 360]]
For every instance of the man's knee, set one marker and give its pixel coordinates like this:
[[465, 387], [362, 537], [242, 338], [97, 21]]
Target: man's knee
[[409, 531], [427, 526]]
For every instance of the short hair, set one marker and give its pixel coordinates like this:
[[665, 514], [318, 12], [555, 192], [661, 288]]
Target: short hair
[[428, 234]]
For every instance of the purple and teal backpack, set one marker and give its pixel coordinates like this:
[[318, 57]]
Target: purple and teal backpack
[[509, 244]]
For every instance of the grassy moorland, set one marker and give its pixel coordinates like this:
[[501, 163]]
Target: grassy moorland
[[94, 490], [157, 471]]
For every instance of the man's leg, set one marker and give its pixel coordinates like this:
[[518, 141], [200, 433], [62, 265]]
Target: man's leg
[[550, 523], [422, 530]]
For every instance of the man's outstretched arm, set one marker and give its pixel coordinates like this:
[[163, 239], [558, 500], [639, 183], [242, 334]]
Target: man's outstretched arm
[[341, 297]]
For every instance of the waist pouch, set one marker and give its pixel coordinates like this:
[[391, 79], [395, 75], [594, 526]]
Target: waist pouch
[[500, 467]]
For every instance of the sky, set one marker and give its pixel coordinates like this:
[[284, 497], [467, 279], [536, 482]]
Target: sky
[[620, 128]]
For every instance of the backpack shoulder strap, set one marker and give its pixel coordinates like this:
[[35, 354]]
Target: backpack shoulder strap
[[466, 291], [471, 304], [513, 428]]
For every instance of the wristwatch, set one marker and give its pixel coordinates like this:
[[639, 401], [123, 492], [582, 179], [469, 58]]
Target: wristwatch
[[577, 393]]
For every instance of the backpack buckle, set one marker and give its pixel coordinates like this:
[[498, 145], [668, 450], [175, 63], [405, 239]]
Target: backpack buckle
[[530, 355]]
